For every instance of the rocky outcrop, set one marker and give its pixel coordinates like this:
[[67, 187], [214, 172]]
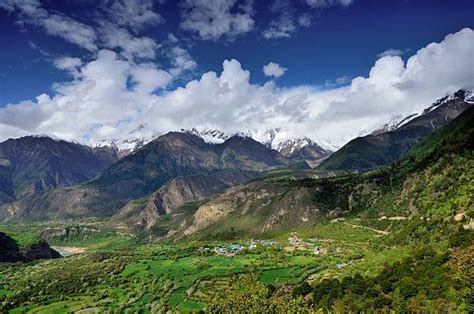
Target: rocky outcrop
[[177, 192], [10, 251], [264, 206]]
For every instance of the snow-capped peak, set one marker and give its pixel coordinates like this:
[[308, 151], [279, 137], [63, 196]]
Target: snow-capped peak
[[389, 126], [293, 144], [464, 95], [271, 138], [209, 136], [397, 121], [53, 137]]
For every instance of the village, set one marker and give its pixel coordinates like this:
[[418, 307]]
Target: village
[[294, 243]]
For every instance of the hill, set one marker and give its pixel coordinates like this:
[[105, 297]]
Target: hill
[[435, 179], [30, 249], [380, 149]]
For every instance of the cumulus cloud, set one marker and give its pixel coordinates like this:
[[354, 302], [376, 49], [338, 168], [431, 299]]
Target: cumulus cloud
[[211, 20], [273, 69], [116, 27], [114, 99], [342, 80], [390, 52], [68, 64]]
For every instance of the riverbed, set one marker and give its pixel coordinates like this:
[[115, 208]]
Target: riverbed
[[68, 250]]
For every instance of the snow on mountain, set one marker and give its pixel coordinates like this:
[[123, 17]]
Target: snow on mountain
[[398, 121], [389, 126], [293, 145], [209, 136], [271, 138]]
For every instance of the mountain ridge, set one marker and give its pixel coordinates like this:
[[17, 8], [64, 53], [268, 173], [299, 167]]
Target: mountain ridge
[[380, 149], [172, 155]]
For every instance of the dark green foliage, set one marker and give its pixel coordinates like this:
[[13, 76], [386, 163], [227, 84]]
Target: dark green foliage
[[424, 275], [461, 238], [302, 289]]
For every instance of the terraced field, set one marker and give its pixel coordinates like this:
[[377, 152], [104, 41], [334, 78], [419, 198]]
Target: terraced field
[[118, 274]]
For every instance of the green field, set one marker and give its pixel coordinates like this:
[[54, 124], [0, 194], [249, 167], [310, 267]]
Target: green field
[[118, 272]]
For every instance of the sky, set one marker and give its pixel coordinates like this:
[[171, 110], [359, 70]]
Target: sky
[[95, 71]]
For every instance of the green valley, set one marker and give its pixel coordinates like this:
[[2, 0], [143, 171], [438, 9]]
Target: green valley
[[396, 238]]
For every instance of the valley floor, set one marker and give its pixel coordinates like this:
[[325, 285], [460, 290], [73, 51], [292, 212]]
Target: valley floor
[[114, 272]]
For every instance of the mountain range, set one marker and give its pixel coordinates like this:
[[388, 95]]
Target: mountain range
[[190, 174], [172, 155]]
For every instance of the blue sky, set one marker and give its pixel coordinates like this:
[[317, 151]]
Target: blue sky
[[318, 47], [341, 41]]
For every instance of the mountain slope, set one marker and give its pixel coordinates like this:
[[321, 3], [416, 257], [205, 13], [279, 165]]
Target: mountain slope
[[303, 150], [436, 180], [35, 164], [179, 154], [166, 200], [143, 172], [295, 149], [380, 149]]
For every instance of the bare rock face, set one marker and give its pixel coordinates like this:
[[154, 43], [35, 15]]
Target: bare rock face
[[256, 208], [177, 192], [10, 251], [61, 203]]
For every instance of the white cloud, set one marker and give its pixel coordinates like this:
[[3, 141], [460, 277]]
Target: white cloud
[[181, 61], [211, 20], [131, 47], [390, 52], [342, 80], [148, 78], [56, 24], [112, 97], [69, 29], [115, 25], [68, 64], [273, 69], [134, 14], [283, 27], [328, 3], [304, 20]]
